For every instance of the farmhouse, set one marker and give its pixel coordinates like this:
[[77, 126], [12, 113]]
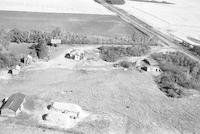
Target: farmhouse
[[13, 105], [75, 54]]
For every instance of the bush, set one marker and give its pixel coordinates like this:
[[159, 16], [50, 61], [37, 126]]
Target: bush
[[56, 33], [34, 36], [125, 64], [4, 44], [196, 50], [7, 60], [179, 72], [41, 49], [18, 36], [112, 54]]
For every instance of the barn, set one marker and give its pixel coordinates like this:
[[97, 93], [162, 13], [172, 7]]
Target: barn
[[13, 105]]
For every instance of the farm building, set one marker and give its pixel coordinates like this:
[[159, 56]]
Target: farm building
[[27, 60], [148, 65], [13, 105], [151, 68], [56, 42], [15, 71], [75, 54]]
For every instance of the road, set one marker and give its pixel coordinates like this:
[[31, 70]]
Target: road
[[148, 30]]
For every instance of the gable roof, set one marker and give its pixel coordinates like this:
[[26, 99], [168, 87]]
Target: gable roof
[[14, 102]]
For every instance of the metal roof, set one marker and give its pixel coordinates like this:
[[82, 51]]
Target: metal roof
[[14, 102]]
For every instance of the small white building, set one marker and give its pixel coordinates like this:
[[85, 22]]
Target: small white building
[[149, 65], [56, 42], [153, 69], [28, 60]]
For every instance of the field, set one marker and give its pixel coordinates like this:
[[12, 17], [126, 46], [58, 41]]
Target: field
[[178, 19], [75, 23], [58, 6]]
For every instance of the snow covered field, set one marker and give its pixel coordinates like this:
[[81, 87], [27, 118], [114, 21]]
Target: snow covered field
[[181, 19], [57, 6]]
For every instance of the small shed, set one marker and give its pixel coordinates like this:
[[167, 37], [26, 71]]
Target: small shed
[[12, 105], [56, 42], [149, 65], [27, 60], [153, 69], [14, 71]]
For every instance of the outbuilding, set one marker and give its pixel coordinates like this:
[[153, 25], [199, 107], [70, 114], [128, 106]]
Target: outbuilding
[[75, 54], [27, 60], [13, 105], [56, 42], [149, 65]]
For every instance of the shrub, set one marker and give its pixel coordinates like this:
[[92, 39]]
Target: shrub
[[179, 72], [196, 50], [4, 44], [17, 36], [34, 36], [111, 54], [125, 64], [7, 60], [41, 49], [137, 50], [56, 33]]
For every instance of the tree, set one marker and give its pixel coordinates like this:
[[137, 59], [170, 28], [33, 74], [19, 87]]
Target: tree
[[56, 33], [7, 60], [42, 49], [15, 35]]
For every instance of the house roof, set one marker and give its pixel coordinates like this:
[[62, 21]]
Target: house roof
[[56, 41], [14, 102]]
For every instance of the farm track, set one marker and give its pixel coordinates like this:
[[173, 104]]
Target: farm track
[[149, 30]]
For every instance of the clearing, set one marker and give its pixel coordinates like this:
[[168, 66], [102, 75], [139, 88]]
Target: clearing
[[124, 101]]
